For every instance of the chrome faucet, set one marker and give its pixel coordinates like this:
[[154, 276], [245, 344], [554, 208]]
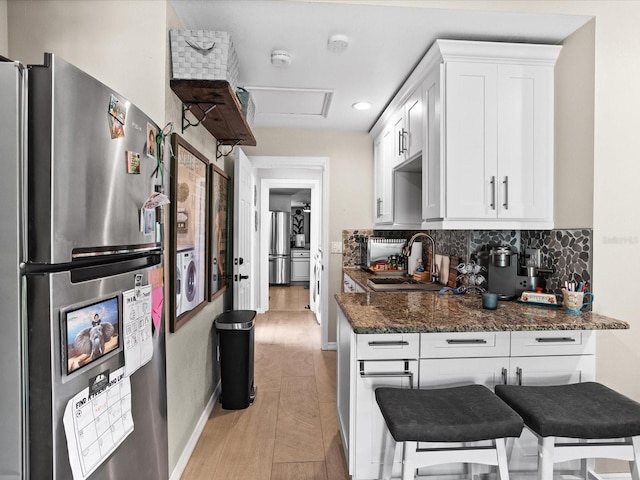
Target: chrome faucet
[[434, 275]]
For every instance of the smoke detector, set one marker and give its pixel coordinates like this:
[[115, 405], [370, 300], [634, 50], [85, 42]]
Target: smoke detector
[[338, 43], [280, 58]]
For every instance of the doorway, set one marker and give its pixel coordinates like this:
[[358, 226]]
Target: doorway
[[297, 173]]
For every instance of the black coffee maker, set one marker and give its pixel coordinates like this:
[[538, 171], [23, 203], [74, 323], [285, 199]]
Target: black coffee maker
[[507, 277]]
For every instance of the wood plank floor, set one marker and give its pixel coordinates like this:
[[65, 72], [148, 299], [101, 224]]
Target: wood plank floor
[[291, 430]]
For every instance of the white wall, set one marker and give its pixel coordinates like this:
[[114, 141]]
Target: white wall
[[122, 43], [350, 185], [192, 369], [574, 126], [4, 29]]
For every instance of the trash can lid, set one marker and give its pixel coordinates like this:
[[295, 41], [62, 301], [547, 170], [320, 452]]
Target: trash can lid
[[236, 320]]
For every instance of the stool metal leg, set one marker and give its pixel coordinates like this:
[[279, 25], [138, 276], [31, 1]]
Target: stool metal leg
[[503, 463], [633, 465], [545, 457]]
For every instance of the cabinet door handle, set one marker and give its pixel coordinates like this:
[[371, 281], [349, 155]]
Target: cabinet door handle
[[506, 193], [504, 376], [405, 134], [493, 192], [465, 341], [406, 373], [519, 375], [399, 142], [378, 206], [389, 343], [554, 339]]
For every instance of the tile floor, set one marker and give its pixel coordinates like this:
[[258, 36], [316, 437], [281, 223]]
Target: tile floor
[[291, 430]]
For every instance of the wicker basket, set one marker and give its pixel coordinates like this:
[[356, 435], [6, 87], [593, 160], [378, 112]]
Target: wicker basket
[[248, 107], [203, 55]]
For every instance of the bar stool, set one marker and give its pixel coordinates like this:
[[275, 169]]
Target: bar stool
[[581, 411], [469, 413]]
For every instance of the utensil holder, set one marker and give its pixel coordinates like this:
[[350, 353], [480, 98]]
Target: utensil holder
[[420, 276]]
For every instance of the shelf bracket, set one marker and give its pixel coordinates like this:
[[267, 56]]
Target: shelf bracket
[[186, 107], [219, 154]]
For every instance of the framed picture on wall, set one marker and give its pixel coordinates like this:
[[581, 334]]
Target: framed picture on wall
[[188, 234], [219, 248]]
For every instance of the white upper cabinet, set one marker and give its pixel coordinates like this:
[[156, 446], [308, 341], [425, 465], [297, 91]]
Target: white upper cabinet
[[481, 114], [431, 191], [383, 159], [525, 141], [499, 148], [413, 124], [471, 140], [407, 129]]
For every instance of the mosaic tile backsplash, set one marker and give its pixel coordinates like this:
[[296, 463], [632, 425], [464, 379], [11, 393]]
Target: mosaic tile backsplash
[[568, 252]]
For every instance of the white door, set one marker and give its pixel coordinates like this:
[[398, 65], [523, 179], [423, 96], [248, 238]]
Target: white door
[[244, 232]]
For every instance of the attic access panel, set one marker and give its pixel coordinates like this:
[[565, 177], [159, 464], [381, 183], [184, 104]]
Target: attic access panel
[[304, 102]]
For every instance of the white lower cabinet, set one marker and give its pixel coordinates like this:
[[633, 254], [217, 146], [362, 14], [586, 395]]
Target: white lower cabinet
[[349, 285], [370, 428], [530, 358], [300, 269], [438, 360]]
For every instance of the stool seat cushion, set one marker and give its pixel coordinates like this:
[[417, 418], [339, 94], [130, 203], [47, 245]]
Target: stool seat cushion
[[586, 410], [459, 414]]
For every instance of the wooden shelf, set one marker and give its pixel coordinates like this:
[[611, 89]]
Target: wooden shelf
[[216, 106]]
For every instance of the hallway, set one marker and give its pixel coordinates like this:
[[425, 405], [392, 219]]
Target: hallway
[[291, 430]]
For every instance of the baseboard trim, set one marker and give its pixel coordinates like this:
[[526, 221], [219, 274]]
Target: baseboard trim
[[195, 435]]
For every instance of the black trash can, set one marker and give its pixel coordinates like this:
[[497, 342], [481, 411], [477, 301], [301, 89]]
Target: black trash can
[[236, 330]]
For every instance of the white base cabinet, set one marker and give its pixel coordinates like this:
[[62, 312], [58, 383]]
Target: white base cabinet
[[438, 360], [349, 285]]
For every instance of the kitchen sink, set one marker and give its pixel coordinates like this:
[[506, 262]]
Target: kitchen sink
[[396, 284]]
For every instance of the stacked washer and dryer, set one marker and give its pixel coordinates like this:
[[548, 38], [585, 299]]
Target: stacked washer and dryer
[[187, 284]]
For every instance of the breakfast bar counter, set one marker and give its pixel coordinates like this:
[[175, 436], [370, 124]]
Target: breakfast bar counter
[[429, 312], [427, 339]]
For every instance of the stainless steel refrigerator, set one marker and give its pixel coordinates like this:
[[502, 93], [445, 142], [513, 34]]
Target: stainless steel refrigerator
[[75, 176], [280, 249]]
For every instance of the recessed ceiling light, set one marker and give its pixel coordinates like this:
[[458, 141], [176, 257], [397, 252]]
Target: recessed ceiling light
[[361, 105]]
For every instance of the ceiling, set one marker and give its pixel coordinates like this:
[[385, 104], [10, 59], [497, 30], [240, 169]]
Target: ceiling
[[385, 43]]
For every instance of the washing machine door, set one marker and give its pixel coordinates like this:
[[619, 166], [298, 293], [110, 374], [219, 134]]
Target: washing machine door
[[190, 283]]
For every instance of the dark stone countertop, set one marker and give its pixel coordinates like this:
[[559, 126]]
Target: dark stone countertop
[[428, 312]]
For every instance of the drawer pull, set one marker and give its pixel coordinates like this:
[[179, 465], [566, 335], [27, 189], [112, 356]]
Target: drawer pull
[[407, 373], [554, 339], [465, 341], [390, 343]]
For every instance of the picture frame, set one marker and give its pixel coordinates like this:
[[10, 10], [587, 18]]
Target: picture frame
[[189, 223], [219, 247]]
